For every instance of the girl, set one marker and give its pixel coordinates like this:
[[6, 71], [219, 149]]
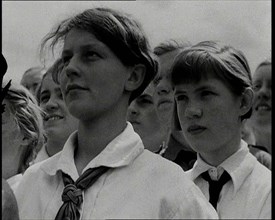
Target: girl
[[103, 170], [58, 122], [213, 95]]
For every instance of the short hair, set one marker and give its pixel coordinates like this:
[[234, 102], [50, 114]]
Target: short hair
[[263, 63], [169, 46], [53, 70], [210, 57], [38, 69], [119, 31], [28, 116]]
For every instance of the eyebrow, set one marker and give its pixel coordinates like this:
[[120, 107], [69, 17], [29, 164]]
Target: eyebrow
[[44, 92], [201, 88], [85, 47]]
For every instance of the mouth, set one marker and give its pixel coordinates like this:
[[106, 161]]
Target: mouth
[[195, 129], [74, 87], [263, 107], [53, 118], [134, 122]]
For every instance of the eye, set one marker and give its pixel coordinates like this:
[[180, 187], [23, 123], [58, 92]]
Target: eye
[[44, 98], [145, 101], [91, 55], [206, 93], [257, 86], [181, 97], [65, 60]]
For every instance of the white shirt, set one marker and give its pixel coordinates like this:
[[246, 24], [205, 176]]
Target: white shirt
[[14, 181], [140, 185], [42, 154], [247, 195]]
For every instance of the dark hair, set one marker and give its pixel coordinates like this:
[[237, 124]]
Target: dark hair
[[209, 57], [169, 46], [119, 31]]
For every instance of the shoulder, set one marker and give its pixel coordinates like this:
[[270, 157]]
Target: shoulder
[[162, 171], [38, 174]]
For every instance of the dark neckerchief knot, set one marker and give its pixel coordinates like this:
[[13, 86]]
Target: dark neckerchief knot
[[73, 194]]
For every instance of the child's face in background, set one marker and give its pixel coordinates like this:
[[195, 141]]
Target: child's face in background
[[32, 80], [93, 78], [143, 116], [164, 93], [209, 115], [58, 123], [262, 85]]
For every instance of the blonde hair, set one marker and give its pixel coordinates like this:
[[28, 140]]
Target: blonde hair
[[29, 117]]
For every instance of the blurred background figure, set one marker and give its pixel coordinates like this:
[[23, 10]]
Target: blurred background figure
[[259, 124], [143, 116], [32, 78], [22, 133], [178, 150], [9, 204], [58, 122]]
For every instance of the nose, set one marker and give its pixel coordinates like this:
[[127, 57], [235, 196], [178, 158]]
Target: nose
[[71, 70], [51, 104], [193, 112], [164, 87], [133, 110], [264, 93]]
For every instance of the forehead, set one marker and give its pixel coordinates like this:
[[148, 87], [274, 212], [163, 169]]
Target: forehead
[[32, 76], [48, 83], [263, 72], [79, 38], [204, 83], [165, 62]]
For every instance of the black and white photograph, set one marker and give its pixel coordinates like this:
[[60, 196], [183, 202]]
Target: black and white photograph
[[136, 109]]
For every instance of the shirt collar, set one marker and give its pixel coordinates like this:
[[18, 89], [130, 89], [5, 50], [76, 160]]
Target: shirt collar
[[239, 165], [121, 151]]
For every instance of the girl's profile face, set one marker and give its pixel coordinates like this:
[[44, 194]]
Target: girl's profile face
[[209, 114], [262, 85], [58, 122], [93, 78]]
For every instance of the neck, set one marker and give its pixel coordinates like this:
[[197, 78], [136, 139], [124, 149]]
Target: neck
[[216, 157], [53, 146], [94, 135], [263, 138]]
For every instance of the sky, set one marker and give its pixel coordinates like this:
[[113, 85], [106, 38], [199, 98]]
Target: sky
[[245, 25]]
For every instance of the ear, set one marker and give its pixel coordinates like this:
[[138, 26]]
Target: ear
[[25, 141], [246, 101], [135, 78]]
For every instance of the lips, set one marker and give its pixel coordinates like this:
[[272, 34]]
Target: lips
[[195, 129], [263, 107], [53, 117], [134, 122], [72, 87]]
